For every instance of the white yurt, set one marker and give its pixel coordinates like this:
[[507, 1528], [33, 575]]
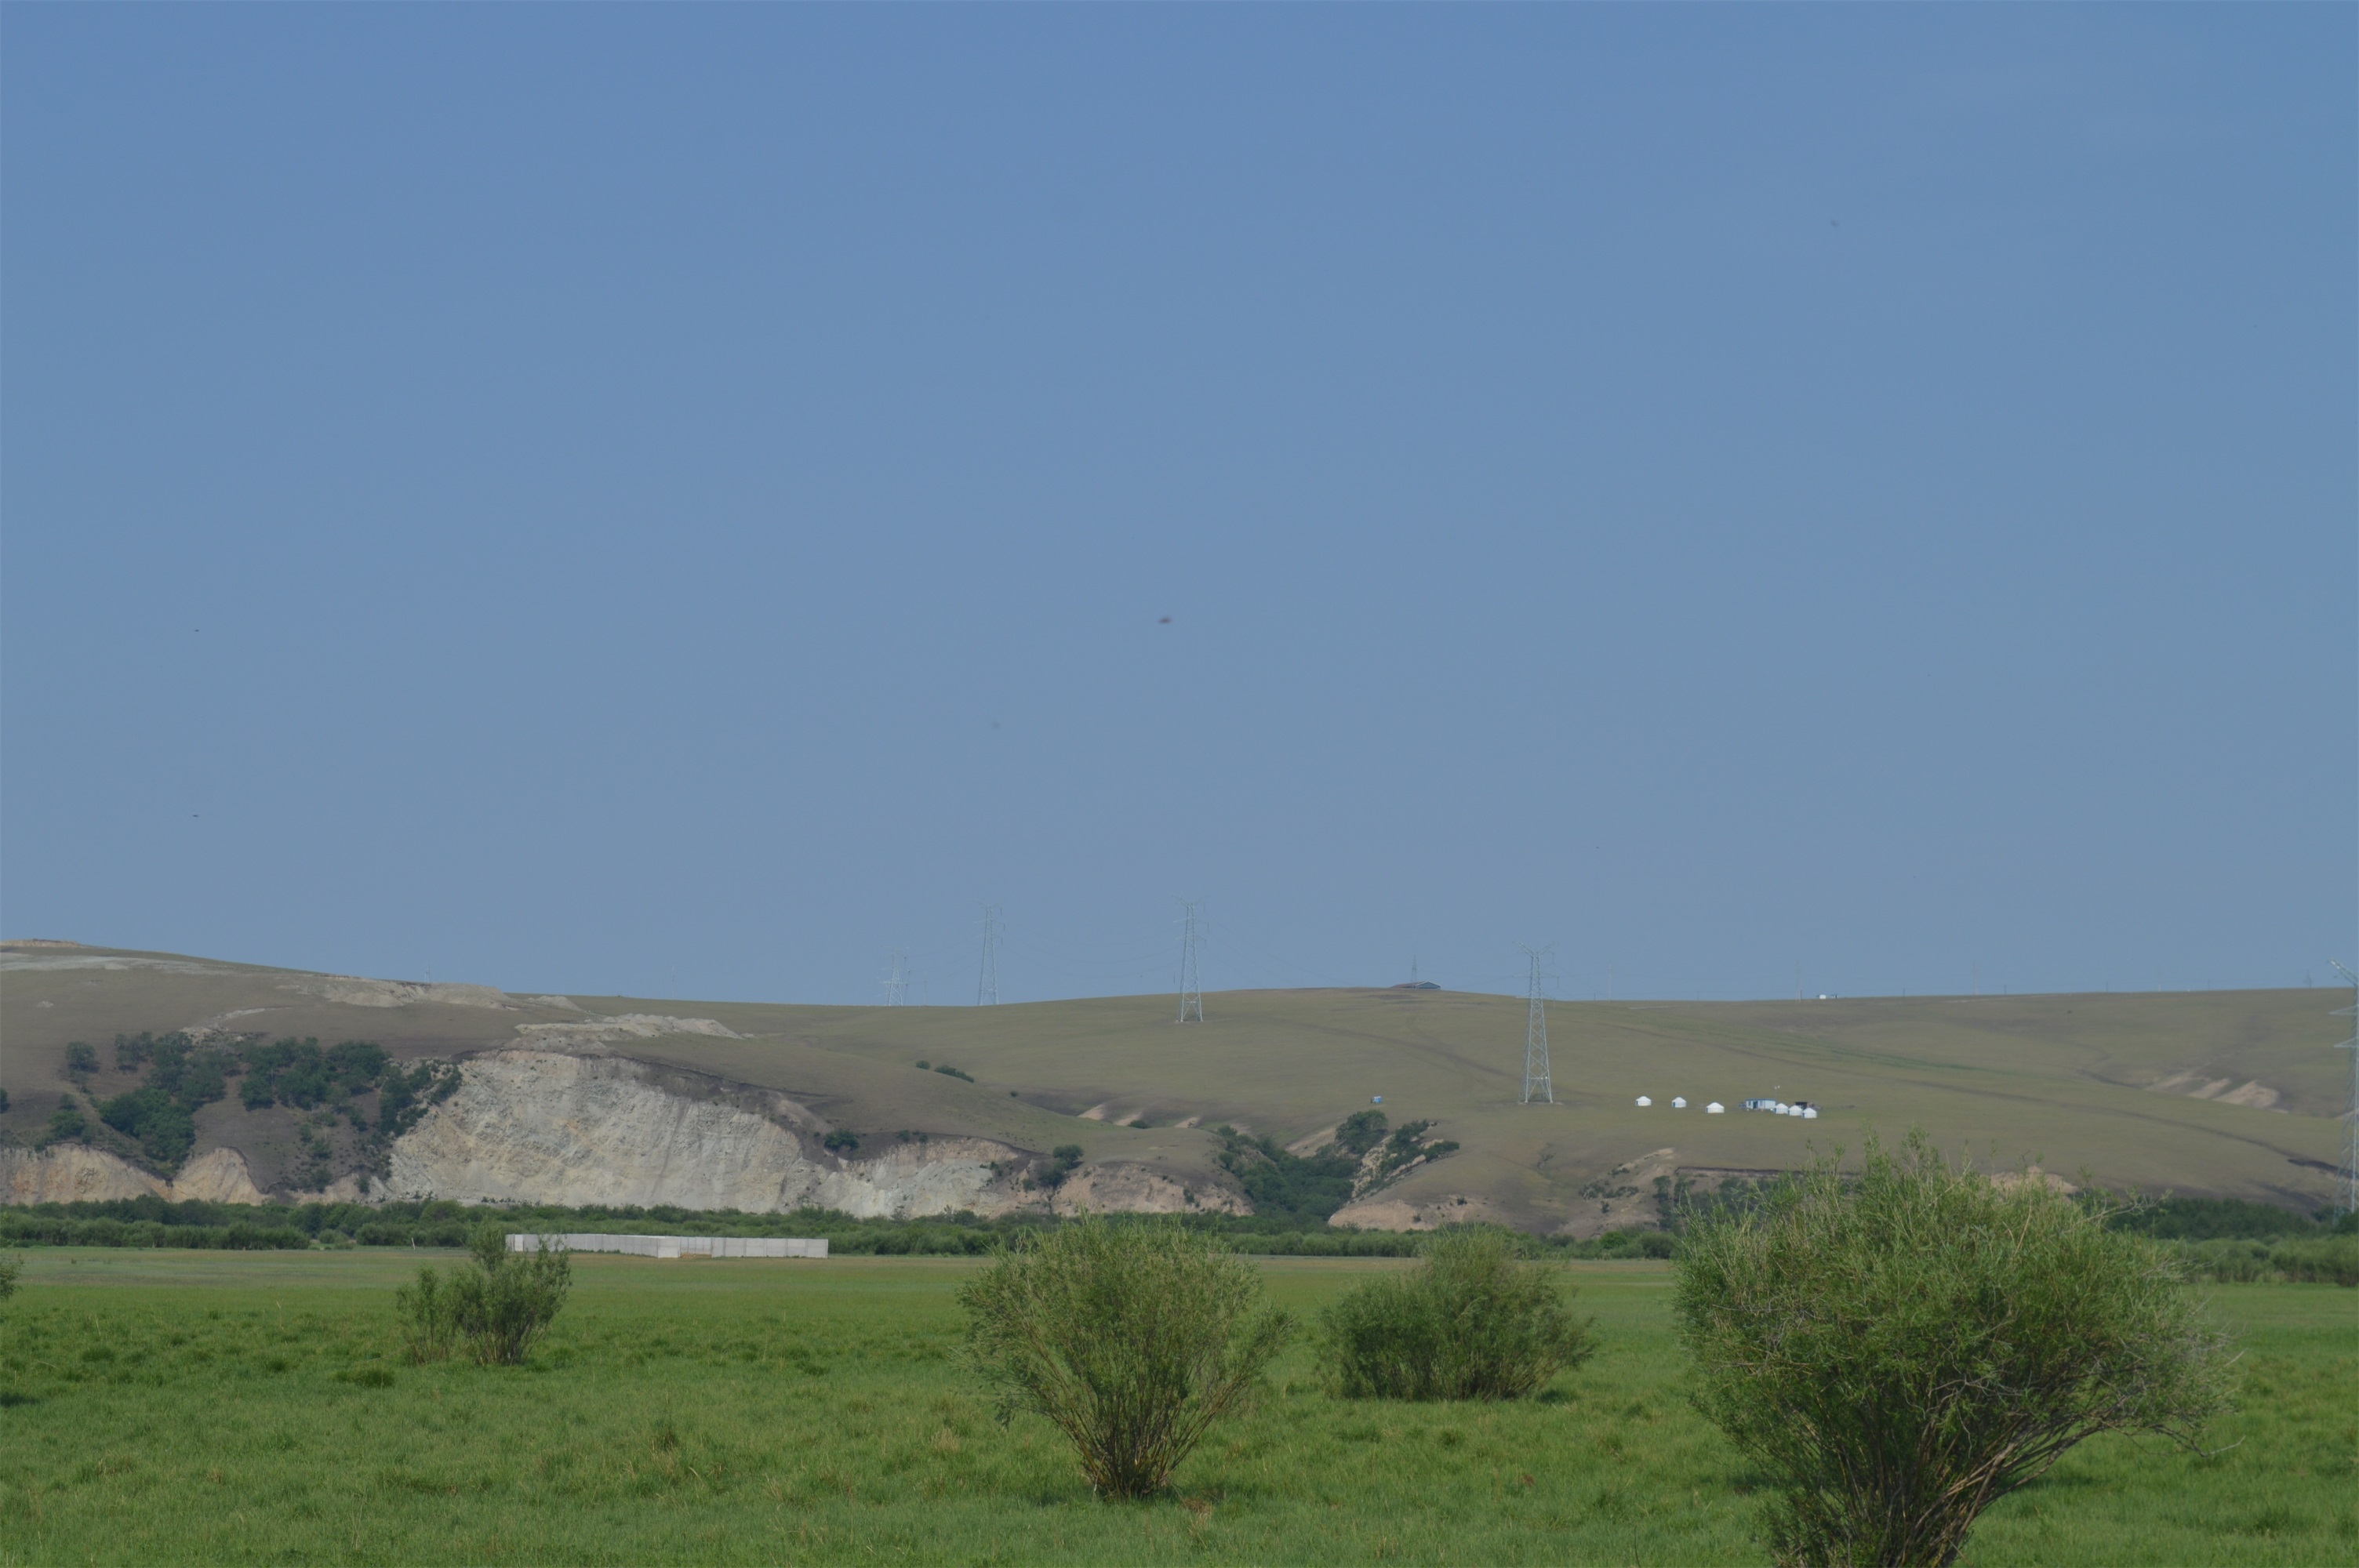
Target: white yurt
[[1811, 1113], [1643, 1100], [1678, 1102], [1715, 1109]]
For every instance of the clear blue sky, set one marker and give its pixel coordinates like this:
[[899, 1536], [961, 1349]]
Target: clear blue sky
[[565, 497]]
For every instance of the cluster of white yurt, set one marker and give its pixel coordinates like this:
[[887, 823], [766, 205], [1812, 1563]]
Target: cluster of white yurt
[[1800, 1108]]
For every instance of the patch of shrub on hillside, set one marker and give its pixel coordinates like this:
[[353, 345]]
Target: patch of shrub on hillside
[[403, 1097], [1306, 1188], [1132, 1338], [1063, 1160], [1902, 1346], [67, 1123], [163, 1128], [1310, 1188], [297, 1073], [1472, 1321]]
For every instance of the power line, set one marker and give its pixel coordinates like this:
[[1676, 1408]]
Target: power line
[[986, 985], [1535, 1055], [1191, 985], [2347, 1184]]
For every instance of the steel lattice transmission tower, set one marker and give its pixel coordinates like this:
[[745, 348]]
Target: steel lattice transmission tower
[[897, 983], [2346, 1185], [986, 985], [1191, 986], [1535, 1060]]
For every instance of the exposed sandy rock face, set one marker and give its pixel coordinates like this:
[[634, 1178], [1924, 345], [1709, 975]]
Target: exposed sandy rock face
[[217, 1176], [75, 1173], [72, 1172], [1129, 1188], [1424, 1213], [1625, 1198], [603, 1031], [530, 1126], [352, 991], [2252, 1094]]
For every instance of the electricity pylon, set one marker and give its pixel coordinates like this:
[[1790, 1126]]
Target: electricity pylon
[[2347, 1184], [986, 985], [1536, 1058], [1192, 987], [897, 983]]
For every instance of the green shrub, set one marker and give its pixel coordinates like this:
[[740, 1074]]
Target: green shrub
[[428, 1313], [2323, 1261], [1471, 1320], [10, 1267], [504, 1300], [1063, 1160], [1901, 1348], [1133, 1339], [67, 1123]]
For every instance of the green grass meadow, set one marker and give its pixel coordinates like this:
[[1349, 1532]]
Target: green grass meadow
[[164, 1406]]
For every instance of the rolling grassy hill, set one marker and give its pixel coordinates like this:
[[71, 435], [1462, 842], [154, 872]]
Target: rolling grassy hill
[[2217, 1093]]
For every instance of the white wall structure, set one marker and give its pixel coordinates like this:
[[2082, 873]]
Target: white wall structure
[[677, 1246]]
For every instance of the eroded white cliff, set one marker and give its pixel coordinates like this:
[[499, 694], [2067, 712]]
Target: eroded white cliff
[[75, 1173], [547, 1128]]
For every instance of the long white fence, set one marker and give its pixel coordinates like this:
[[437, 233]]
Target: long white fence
[[676, 1246]]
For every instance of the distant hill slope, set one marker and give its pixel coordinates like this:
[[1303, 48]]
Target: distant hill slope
[[2218, 1093]]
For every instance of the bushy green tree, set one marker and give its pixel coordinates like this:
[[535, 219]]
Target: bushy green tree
[[1471, 1320], [1133, 1339], [503, 1302], [1902, 1346]]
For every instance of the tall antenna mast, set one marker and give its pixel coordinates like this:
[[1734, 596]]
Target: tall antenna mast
[[1535, 1060], [2346, 1185], [1192, 987], [986, 985], [897, 983]]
